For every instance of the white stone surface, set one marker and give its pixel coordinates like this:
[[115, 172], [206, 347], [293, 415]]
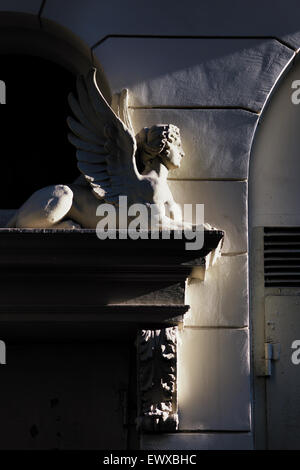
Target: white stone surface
[[93, 20], [292, 39], [194, 72], [197, 441], [25, 6], [222, 299], [225, 207], [275, 165], [216, 143], [213, 380]]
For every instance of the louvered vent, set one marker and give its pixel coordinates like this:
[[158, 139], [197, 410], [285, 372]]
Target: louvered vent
[[282, 256]]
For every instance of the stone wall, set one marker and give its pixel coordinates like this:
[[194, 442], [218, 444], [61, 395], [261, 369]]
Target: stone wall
[[208, 67]]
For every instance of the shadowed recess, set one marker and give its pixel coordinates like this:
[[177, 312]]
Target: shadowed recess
[[35, 151]]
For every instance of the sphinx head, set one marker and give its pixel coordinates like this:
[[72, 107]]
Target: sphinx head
[[162, 141]]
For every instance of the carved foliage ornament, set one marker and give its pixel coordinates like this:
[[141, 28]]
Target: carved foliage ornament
[[157, 377]]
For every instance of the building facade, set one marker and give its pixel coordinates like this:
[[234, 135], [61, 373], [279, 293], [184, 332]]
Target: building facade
[[224, 72]]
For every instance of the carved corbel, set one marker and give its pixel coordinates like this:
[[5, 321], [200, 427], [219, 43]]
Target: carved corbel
[[157, 380]]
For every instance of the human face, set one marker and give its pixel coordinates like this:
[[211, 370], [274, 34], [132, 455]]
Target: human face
[[175, 155]]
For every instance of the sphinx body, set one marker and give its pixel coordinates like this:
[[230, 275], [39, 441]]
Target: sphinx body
[[74, 206], [107, 153]]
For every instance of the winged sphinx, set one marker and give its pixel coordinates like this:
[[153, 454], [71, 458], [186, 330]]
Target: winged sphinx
[[113, 162]]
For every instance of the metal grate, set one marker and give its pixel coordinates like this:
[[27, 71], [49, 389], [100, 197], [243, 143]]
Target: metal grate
[[282, 256]]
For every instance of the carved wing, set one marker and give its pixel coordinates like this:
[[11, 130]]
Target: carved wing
[[119, 105], [106, 146]]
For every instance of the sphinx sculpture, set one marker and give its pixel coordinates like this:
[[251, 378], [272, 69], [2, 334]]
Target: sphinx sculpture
[[108, 154]]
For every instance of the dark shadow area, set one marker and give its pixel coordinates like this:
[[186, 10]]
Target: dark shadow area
[[35, 151], [69, 396]]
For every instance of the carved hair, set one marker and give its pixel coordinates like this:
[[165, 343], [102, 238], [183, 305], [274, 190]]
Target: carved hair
[[155, 141]]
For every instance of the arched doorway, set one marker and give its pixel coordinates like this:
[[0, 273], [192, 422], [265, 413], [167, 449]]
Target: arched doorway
[[274, 236]]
